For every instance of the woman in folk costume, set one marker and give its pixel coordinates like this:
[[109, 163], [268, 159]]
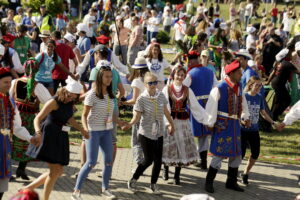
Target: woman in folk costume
[[180, 149], [10, 123], [27, 94]]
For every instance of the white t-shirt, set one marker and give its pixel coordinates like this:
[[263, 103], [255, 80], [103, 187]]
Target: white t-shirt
[[250, 42], [157, 68], [288, 24], [127, 23], [179, 29], [139, 84], [167, 20], [151, 24], [249, 9]]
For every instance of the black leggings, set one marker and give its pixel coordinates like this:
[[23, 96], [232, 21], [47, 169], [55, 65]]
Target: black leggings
[[1, 195], [252, 138], [57, 82], [281, 101], [152, 150]]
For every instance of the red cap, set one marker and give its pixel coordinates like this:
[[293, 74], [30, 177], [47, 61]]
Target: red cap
[[193, 54], [4, 71], [232, 66], [9, 38], [102, 39]]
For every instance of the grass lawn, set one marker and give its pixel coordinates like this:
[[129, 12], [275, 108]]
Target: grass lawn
[[285, 145]]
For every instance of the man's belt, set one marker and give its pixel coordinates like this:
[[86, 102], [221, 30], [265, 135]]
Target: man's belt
[[224, 114]]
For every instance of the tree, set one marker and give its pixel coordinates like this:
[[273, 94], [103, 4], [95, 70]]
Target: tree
[[54, 7]]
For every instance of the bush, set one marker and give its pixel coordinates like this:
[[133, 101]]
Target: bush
[[54, 7], [163, 37]]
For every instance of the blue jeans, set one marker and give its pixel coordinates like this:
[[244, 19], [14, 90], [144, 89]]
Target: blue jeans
[[102, 139], [150, 35]]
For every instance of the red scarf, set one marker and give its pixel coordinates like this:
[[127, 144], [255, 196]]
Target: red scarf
[[234, 86]]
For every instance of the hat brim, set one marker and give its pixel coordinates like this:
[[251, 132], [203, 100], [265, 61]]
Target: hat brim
[[44, 36], [139, 66], [243, 55]]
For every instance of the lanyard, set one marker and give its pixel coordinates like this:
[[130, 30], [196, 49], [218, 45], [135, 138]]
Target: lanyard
[[154, 102], [108, 105]]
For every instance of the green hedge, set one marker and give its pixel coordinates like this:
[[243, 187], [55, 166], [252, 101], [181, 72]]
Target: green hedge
[[54, 7], [163, 37]]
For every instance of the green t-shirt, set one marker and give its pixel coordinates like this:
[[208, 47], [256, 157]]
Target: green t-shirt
[[115, 81], [22, 45]]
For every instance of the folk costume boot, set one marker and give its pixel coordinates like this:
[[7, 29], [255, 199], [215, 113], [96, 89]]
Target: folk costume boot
[[210, 177], [21, 171], [177, 176], [231, 182], [165, 175], [203, 157]]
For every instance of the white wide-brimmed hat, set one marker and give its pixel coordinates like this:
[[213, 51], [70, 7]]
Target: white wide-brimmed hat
[[250, 29], [82, 27], [73, 86], [282, 54], [45, 34], [197, 197], [244, 53], [70, 37], [139, 63]]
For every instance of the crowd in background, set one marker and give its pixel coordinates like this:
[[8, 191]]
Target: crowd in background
[[214, 85]]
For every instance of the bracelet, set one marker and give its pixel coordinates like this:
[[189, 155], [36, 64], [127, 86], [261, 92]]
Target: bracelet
[[38, 132]]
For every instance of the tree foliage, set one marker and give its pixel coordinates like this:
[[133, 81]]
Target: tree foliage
[[53, 7]]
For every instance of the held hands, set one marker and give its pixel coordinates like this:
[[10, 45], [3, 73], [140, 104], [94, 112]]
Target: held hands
[[85, 134], [279, 126], [171, 129], [36, 140], [246, 123], [126, 126]]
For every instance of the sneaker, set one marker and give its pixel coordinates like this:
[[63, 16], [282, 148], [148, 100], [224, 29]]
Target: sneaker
[[76, 196], [154, 189], [245, 179], [132, 185], [108, 194]]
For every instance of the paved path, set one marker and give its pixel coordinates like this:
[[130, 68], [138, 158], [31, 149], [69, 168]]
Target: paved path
[[268, 181]]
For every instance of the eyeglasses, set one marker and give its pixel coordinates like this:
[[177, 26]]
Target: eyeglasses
[[152, 83]]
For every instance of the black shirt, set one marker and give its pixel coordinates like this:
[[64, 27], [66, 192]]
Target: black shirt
[[283, 73]]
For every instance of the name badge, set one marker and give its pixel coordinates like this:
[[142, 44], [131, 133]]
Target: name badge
[[5, 131], [66, 128], [155, 128], [22, 55], [109, 123]]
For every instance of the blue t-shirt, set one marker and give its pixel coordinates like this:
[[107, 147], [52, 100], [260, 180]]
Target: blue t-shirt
[[255, 105], [247, 74], [45, 70], [84, 44]]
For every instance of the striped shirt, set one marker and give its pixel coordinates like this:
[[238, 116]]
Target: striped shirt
[[152, 119], [100, 113]]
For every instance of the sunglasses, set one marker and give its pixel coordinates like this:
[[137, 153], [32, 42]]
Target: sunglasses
[[105, 67], [152, 83]]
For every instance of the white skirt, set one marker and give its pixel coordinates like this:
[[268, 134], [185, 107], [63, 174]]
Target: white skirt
[[180, 149]]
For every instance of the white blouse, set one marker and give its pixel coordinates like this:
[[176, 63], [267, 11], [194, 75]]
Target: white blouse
[[196, 109], [293, 114]]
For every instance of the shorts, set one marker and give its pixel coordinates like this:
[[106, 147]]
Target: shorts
[[47, 84]]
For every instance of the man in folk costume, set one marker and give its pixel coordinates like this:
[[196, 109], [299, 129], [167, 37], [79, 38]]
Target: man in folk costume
[[10, 124], [201, 80], [226, 107], [27, 94]]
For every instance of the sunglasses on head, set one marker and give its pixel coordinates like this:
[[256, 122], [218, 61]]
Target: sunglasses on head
[[152, 83], [105, 67]]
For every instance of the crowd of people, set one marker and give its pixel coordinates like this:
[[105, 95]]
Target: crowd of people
[[213, 89]]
